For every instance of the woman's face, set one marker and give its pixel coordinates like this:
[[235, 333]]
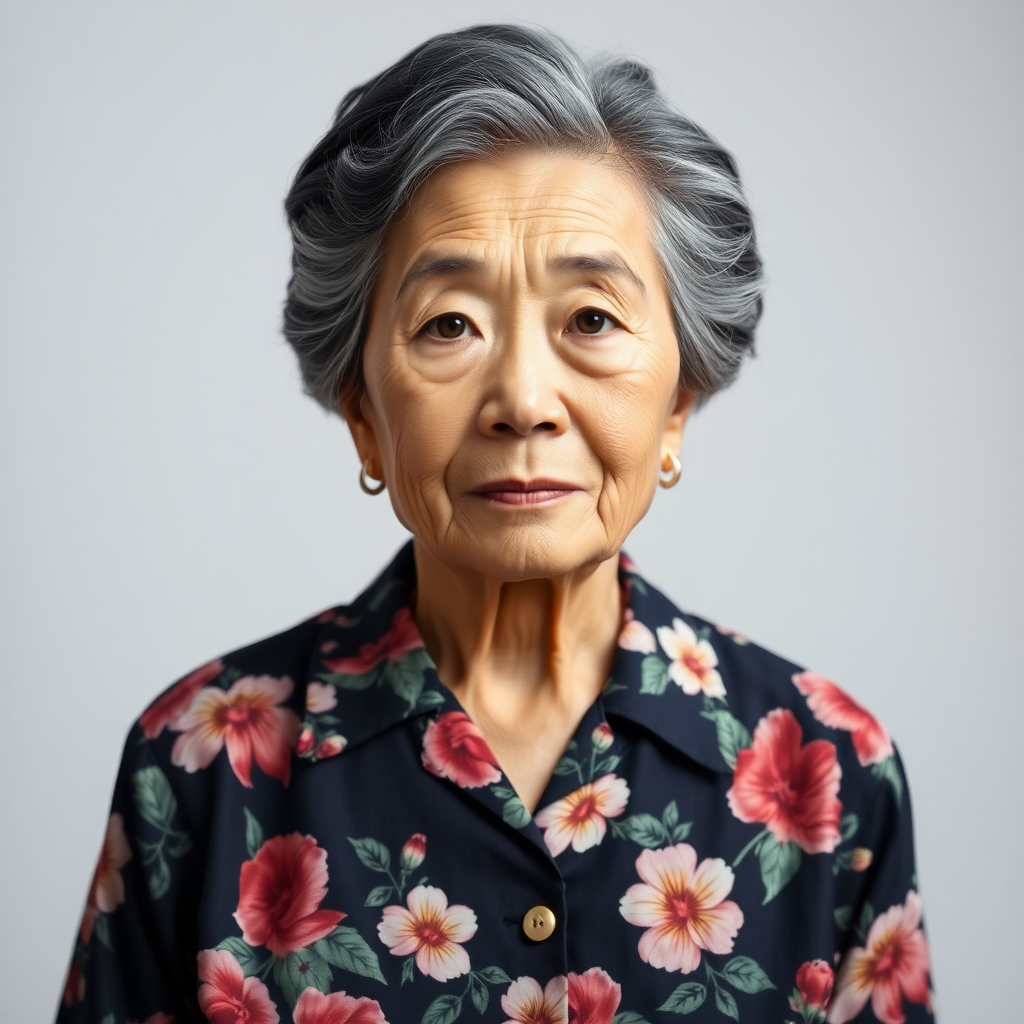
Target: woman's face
[[521, 368]]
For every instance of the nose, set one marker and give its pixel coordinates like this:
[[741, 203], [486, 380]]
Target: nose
[[521, 397]]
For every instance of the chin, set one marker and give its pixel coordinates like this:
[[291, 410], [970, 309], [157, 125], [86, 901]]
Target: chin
[[528, 554]]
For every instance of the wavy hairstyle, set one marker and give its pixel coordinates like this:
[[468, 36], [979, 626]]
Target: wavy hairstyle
[[471, 94]]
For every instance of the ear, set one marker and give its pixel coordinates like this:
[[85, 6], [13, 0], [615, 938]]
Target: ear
[[672, 437], [354, 404]]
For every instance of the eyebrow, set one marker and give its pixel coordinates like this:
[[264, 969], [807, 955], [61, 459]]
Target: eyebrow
[[610, 263], [439, 266]]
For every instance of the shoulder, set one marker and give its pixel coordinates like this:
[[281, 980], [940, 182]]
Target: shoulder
[[775, 706]]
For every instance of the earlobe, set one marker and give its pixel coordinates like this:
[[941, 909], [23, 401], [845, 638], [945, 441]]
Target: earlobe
[[351, 400], [675, 424]]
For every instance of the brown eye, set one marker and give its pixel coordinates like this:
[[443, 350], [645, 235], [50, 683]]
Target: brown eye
[[590, 321], [448, 327]]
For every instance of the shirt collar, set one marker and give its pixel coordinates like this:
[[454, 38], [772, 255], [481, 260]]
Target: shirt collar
[[370, 670]]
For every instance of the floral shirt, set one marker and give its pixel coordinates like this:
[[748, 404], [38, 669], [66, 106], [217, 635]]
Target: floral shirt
[[313, 830]]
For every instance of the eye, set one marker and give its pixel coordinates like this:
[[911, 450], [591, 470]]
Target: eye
[[448, 327], [592, 321]]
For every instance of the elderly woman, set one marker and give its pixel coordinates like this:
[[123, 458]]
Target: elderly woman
[[511, 780]]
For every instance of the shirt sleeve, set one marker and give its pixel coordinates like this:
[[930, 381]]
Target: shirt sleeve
[[883, 971], [134, 958]]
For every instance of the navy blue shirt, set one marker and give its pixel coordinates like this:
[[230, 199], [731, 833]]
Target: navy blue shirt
[[313, 829]]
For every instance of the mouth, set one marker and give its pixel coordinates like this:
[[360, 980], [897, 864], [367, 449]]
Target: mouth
[[525, 492]]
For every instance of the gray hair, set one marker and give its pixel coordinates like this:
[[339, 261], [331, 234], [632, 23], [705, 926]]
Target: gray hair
[[471, 94]]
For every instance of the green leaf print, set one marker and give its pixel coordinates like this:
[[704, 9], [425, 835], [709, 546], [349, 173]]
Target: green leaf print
[[494, 976], [407, 968], [405, 677], [479, 993], [670, 816], [644, 829], [688, 997], [359, 681], [726, 1003], [848, 827], [867, 917], [154, 798], [515, 813], [843, 917], [629, 1017], [159, 879], [373, 854], [889, 770], [101, 929], [653, 675], [253, 833], [746, 975], [779, 863], [443, 1010], [300, 970], [379, 895], [347, 949], [733, 735], [247, 957]]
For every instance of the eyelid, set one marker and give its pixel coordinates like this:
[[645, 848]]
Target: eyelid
[[615, 321], [472, 327]]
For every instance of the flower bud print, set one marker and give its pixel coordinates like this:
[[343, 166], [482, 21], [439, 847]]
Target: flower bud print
[[305, 743], [814, 980], [862, 858], [602, 737], [414, 851], [330, 745]]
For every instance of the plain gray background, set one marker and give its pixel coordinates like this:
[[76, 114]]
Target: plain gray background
[[854, 502]]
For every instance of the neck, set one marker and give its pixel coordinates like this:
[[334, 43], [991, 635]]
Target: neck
[[519, 655]]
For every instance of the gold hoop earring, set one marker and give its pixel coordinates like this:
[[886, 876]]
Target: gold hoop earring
[[364, 479], [675, 470]]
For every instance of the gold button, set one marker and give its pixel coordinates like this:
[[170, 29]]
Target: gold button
[[539, 923]]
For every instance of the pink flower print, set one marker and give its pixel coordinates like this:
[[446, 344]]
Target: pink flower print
[[694, 661], [833, 707], [581, 817], [682, 905], [454, 748], [106, 893], [227, 996], [432, 930], [789, 786], [320, 698], [329, 746], [892, 966], [526, 1002], [635, 636], [402, 637], [248, 720], [178, 699]]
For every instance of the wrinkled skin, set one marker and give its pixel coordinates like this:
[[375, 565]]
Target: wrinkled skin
[[540, 351]]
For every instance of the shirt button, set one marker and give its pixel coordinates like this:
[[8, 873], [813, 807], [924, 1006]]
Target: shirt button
[[539, 923]]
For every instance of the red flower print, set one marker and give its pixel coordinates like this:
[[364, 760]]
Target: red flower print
[[790, 787], [178, 699], [106, 893], [593, 997], [227, 996], [682, 905], [602, 737], [247, 720], [581, 817], [279, 895], [314, 1007], [862, 859], [891, 967], [432, 930], [526, 1002], [694, 662], [402, 637], [838, 710], [453, 748], [814, 981]]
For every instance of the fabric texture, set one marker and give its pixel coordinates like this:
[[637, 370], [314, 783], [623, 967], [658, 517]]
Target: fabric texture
[[312, 829]]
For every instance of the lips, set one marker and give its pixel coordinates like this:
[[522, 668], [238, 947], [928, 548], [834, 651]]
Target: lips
[[525, 492]]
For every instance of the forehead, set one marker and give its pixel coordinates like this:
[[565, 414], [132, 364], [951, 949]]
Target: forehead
[[526, 198]]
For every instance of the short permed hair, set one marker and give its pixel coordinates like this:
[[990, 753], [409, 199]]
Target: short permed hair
[[472, 94]]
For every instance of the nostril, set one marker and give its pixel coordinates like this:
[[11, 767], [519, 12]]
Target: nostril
[[500, 428], [547, 426]]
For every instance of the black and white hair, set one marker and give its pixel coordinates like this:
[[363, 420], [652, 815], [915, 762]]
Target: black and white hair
[[471, 94]]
